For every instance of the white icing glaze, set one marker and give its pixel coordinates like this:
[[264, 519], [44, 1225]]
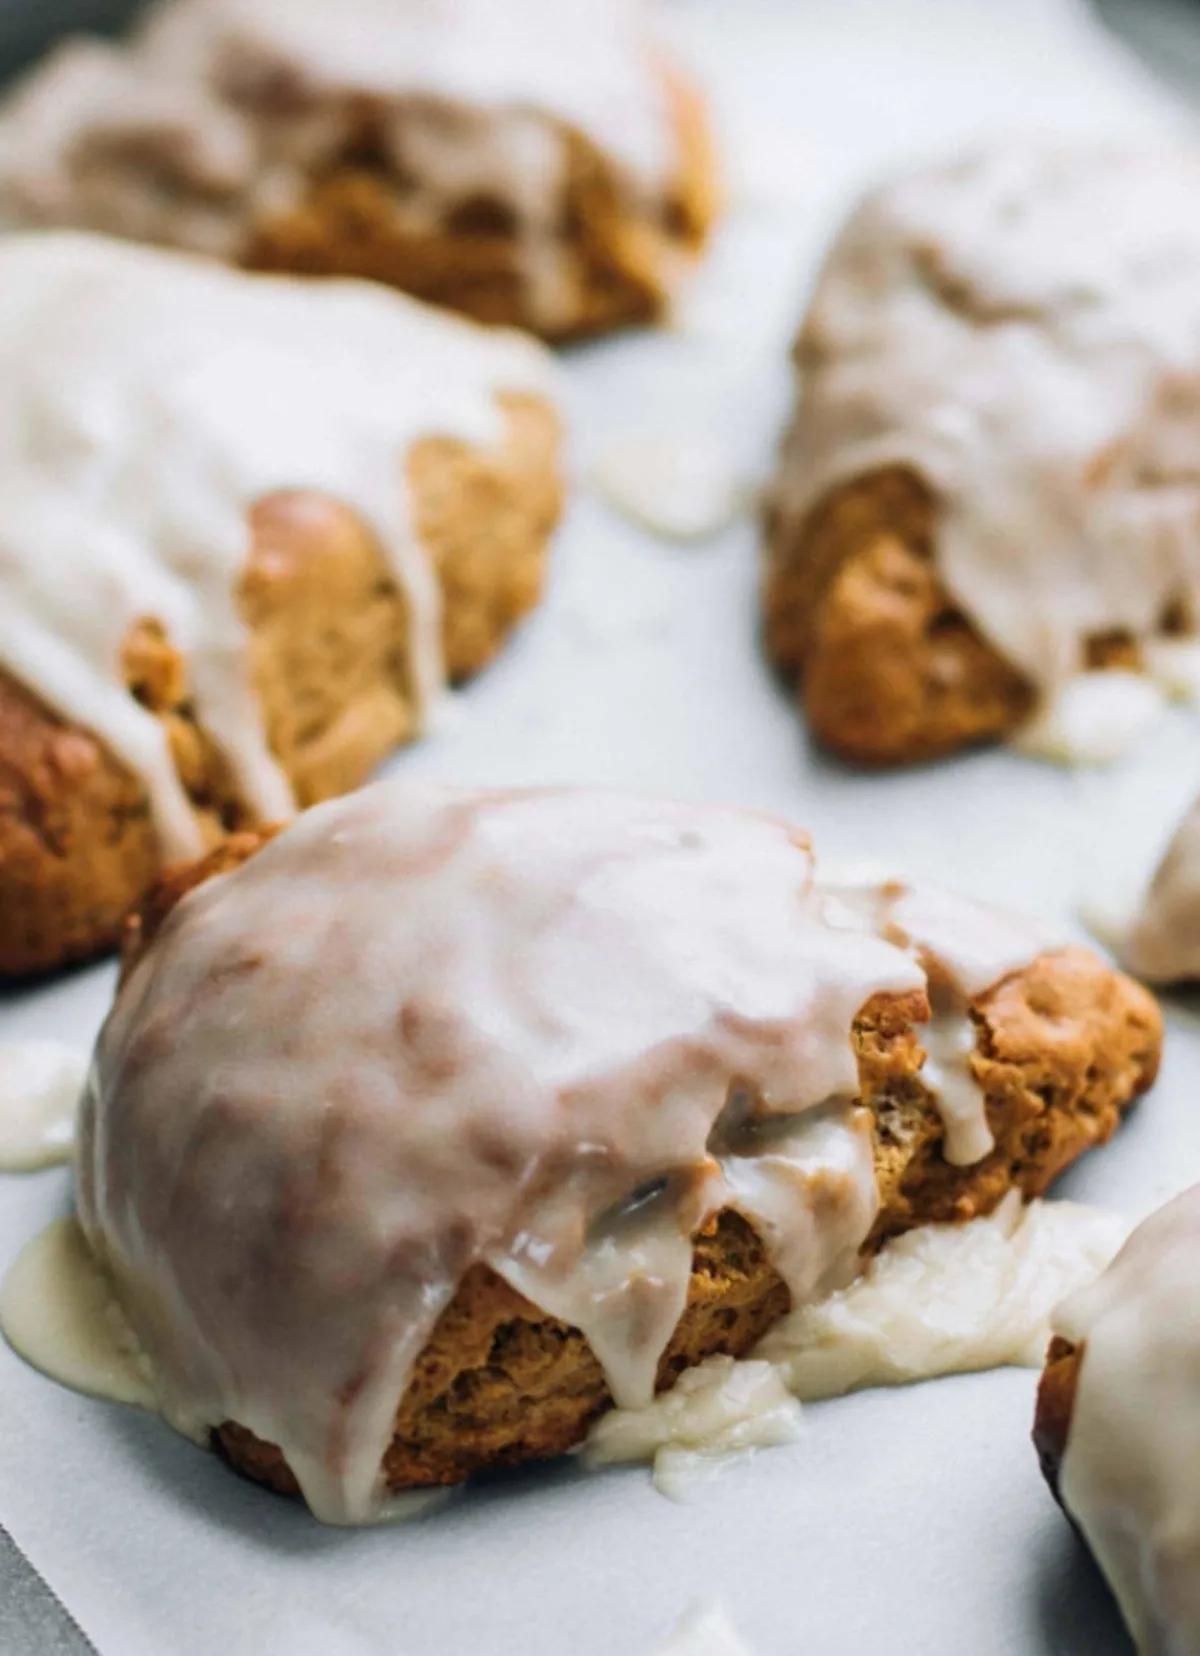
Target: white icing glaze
[[1158, 935], [965, 948], [582, 1025], [1174, 666], [58, 1310], [148, 402], [218, 114], [552, 1011], [40, 1083], [718, 1409], [680, 488], [705, 1630], [947, 1299], [1023, 331], [1095, 718], [942, 1299], [1129, 1473]]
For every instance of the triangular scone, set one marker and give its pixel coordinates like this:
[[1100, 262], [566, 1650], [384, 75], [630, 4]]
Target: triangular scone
[[249, 526], [989, 489], [1161, 941], [449, 1116], [1118, 1425], [533, 162]]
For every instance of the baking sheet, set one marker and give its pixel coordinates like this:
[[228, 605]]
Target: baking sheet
[[903, 1521]]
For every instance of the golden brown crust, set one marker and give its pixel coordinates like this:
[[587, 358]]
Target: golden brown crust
[[889, 670], [1055, 1406], [329, 662], [620, 260], [1062, 1048]]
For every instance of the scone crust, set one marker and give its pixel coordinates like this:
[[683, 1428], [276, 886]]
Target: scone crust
[[1055, 1406], [622, 261], [1062, 1048], [329, 661], [888, 669]]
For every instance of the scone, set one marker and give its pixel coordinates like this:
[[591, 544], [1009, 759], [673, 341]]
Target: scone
[[988, 489], [248, 528], [1161, 942], [450, 1117], [1118, 1426], [540, 163]]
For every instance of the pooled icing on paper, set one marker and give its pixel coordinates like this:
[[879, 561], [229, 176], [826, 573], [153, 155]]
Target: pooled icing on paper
[[147, 402], [1023, 331], [1128, 1476], [580, 1025], [680, 488], [947, 1299], [40, 1084], [939, 1300], [59, 1311], [704, 1630], [719, 1408], [218, 114]]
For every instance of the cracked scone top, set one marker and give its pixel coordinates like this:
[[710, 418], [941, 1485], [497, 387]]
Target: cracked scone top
[[215, 118], [1023, 332], [552, 1033], [1128, 1475], [148, 401]]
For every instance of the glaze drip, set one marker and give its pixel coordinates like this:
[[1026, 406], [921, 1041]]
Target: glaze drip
[[241, 104], [1128, 1475], [1022, 330], [581, 1026], [964, 949], [149, 402]]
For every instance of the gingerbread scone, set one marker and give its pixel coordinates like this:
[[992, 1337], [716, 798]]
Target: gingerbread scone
[[449, 1118], [988, 494], [249, 527], [540, 163], [1118, 1426], [1160, 941]]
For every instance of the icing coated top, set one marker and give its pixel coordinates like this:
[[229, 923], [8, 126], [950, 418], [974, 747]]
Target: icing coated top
[[1129, 1473], [147, 403], [1163, 943], [552, 1033], [218, 113], [1022, 330]]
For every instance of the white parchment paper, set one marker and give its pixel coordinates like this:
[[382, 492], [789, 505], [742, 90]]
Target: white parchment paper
[[904, 1521]]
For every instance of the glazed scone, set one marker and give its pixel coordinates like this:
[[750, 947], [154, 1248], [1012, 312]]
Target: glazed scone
[[988, 489], [1161, 941], [1118, 1426], [249, 527], [449, 1117], [539, 163]]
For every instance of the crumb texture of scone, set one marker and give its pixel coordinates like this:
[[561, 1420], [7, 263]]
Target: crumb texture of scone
[[1118, 1425], [1162, 942], [251, 526], [538, 163], [449, 1118], [986, 490]]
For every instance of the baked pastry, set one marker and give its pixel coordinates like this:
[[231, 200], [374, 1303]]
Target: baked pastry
[[248, 527], [449, 1117], [539, 163], [1118, 1427], [988, 488], [1161, 942]]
